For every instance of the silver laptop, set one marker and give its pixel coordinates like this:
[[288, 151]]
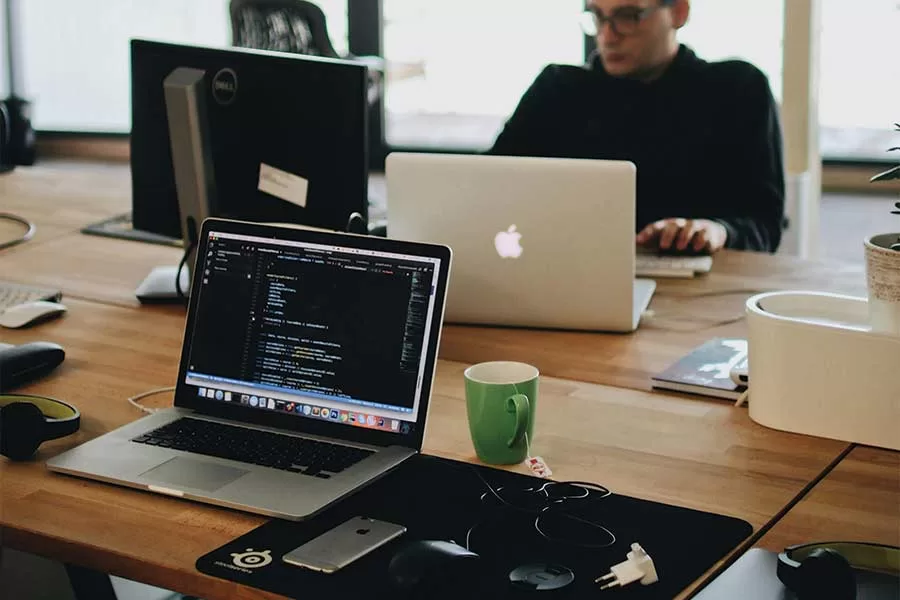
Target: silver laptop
[[537, 242], [305, 373]]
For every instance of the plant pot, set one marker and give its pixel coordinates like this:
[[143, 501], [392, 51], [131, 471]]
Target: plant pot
[[883, 283]]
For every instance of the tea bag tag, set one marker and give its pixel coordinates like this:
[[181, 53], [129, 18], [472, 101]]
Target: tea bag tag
[[538, 466], [536, 463]]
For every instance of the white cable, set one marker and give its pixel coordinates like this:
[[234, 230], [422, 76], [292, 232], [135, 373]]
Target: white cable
[[29, 230], [134, 399], [742, 398]]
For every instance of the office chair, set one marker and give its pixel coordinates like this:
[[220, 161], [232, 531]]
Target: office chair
[[295, 26]]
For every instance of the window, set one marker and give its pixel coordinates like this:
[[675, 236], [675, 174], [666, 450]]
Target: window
[[456, 70], [859, 84], [74, 55], [751, 31]]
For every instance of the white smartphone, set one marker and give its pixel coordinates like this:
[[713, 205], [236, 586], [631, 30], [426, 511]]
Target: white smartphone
[[338, 547]]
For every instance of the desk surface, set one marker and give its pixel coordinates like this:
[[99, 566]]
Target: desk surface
[[677, 449], [684, 451], [859, 501], [61, 198]]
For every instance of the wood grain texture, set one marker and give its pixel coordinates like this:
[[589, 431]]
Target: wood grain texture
[[89, 267], [687, 313], [68, 196], [859, 501], [683, 451], [677, 449]]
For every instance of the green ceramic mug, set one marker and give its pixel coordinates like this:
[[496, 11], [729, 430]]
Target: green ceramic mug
[[501, 398]]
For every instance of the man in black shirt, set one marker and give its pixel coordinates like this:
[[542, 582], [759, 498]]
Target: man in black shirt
[[705, 137]]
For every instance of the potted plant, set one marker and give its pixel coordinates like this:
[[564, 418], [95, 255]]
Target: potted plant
[[883, 269]]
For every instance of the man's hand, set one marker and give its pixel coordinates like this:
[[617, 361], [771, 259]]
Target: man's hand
[[699, 235]]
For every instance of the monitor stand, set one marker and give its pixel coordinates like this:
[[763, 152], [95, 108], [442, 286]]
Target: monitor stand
[[159, 286], [194, 180]]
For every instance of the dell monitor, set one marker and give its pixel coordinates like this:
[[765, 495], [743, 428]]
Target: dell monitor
[[286, 136]]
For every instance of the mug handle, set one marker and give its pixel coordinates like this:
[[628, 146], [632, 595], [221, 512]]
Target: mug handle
[[518, 404]]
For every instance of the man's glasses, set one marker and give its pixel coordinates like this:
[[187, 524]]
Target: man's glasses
[[625, 20]]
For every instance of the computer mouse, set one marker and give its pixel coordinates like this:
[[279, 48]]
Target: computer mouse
[[30, 313], [26, 362], [432, 566]]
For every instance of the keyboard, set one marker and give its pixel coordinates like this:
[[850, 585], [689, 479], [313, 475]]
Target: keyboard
[[655, 265], [263, 448], [13, 294]]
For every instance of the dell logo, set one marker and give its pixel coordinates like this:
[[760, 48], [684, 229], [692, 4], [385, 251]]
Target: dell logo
[[224, 86]]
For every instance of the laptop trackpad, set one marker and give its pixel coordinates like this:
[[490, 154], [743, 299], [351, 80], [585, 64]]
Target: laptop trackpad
[[179, 473]]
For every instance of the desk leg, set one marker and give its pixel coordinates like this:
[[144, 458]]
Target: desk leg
[[90, 585]]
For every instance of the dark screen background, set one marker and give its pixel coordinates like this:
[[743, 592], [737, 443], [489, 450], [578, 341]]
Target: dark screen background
[[340, 324]]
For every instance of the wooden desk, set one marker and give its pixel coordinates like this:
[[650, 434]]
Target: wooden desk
[[683, 451], [66, 197], [687, 313], [859, 501], [89, 267]]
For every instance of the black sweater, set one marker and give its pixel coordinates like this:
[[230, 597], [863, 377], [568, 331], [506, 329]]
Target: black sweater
[[705, 138]]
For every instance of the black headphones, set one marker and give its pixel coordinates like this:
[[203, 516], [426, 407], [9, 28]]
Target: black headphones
[[28, 421], [6, 162], [17, 137], [825, 570]]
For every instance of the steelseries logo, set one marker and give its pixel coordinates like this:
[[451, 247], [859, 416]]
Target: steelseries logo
[[224, 86]]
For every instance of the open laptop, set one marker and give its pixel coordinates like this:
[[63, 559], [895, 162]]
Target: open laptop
[[537, 242], [305, 373]]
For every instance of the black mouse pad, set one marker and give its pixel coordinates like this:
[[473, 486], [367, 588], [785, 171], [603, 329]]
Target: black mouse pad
[[440, 499]]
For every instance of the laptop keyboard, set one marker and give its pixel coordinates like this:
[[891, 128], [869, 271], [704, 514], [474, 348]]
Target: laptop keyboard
[[263, 448], [13, 294], [650, 265]]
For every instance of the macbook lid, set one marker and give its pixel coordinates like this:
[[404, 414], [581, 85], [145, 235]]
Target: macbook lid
[[316, 332], [537, 242]]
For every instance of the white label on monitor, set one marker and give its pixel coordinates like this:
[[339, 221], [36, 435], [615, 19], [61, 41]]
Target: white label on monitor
[[282, 184]]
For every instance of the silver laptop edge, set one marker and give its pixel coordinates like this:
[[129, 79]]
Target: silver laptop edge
[[111, 458]]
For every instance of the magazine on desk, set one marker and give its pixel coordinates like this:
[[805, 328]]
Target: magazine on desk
[[706, 370]]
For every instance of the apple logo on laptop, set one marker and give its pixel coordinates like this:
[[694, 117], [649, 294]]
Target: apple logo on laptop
[[507, 243]]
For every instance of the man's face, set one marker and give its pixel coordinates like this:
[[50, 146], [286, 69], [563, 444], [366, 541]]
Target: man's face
[[637, 43]]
